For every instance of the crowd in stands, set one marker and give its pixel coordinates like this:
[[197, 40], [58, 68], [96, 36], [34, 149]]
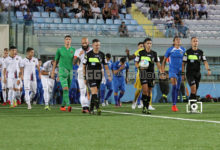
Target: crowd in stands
[[89, 9]]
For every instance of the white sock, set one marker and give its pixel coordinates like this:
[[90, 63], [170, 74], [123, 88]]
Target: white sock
[[10, 96], [4, 94], [27, 96]]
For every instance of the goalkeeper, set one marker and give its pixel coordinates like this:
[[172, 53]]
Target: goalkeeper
[[64, 56], [147, 74]]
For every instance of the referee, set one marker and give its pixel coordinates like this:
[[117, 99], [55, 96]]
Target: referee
[[192, 60], [92, 72]]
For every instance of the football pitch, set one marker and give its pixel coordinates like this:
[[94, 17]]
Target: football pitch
[[116, 129]]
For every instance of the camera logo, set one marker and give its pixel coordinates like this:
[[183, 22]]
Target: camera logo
[[194, 107]]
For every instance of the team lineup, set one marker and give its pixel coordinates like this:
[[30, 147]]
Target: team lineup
[[95, 72]]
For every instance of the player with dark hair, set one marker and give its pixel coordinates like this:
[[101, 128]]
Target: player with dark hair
[[65, 56], [147, 75], [192, 59], [175, 55], [119, 68], [92, 72]]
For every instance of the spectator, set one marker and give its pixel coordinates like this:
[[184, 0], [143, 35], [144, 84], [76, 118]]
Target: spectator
[[202, 10], [96, 11], [106, 12], [6, 4], [89, 15], [184, 9], [193, 11], [183, 30], [32, 6], [114, 11], [28, 18], [80, 14], [63, 12], [75, 6], [169, 25], [119, 3], [167, 8], [86, 7], [175, 8], [161, 11], [16, 5], [108, 3], [154, 10], [66, 2], [24, 4], [128, 6], [39, 2], [101, 3], [167, 1], [45, 2], [51, 6], [123, 31]]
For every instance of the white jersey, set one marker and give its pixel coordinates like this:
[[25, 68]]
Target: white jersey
[[29, 66], [81, 57], [2, 59], [11, 64], [48, 67]]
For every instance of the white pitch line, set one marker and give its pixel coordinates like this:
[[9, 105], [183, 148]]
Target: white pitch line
[[150, 116]]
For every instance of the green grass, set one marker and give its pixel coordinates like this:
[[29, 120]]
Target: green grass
[[37, 129]]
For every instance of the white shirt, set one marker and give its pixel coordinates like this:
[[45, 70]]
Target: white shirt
[[167, 8], [16, 3], [175, 7], [6, 3], [169, 20], [81, 57], [29, 68], [24, 2], [96, 10], [11, 64], [48, 67], [2, 59]]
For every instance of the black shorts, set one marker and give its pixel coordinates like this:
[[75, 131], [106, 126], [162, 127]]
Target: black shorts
[[193, 78], [94, 83], [94, 75], [147, 78]]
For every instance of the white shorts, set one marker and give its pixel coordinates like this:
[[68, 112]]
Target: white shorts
[[30, 85], [47, 83], [12, 83]]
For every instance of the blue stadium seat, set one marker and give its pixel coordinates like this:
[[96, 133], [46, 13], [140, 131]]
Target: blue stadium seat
[[123, 11], [74, 21], [96, 27], [36, 14], [45, 14], [36, 26], [83, 21], [53, 26], [66, 20], [121, 16], [48, 20], [53, 15], [69, 26], [92, 21], [40, 8], [42, 25], [57, 20], [68, 9], [87, 27], [105, 27], [71, 15], [40, 20], [19, 14], [78, 27], [128, 16], [62, 26], [100, 21], [109, 21], [140, 28], [114, 27], [46, 26], [134, 22], [127, 22], [117, 21], [131, 28]]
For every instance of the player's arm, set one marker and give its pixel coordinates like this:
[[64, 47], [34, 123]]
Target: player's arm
[[127, 70], [21, 74], [163, 64], [185, 58], [130, 57], [4, 71], [57, 57], [85, 62], [108, 72]]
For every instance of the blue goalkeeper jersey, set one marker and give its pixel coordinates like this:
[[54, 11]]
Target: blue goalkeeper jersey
[[175, 58]]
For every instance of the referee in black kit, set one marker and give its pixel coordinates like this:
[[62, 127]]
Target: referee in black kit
[[192, 59]]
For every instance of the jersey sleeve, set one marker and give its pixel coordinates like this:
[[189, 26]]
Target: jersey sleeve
[[137, 58], [85, 61], [76, 53], [185, 57], [127, 65], [167, 54], [203, 56], [36, 62], [57, 57], [114, 66], [5, 64], [156, 58], [21, 63]]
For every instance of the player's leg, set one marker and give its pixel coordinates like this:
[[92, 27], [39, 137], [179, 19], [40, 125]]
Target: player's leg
[[146, 97], [45, 85], [173, 77], [116, 89], [150, 106], [83, 95], [27, 92], [122, 91], [110, 90], [10, 83], [102, 93], [4, 92], [94, 98]]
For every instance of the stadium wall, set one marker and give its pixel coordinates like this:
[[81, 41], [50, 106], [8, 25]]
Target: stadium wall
[[4, 38]]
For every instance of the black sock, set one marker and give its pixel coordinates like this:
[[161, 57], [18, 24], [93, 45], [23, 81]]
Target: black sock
[[96, 100], [148, 101], [92, 104], [192, 96], [144, 98]]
